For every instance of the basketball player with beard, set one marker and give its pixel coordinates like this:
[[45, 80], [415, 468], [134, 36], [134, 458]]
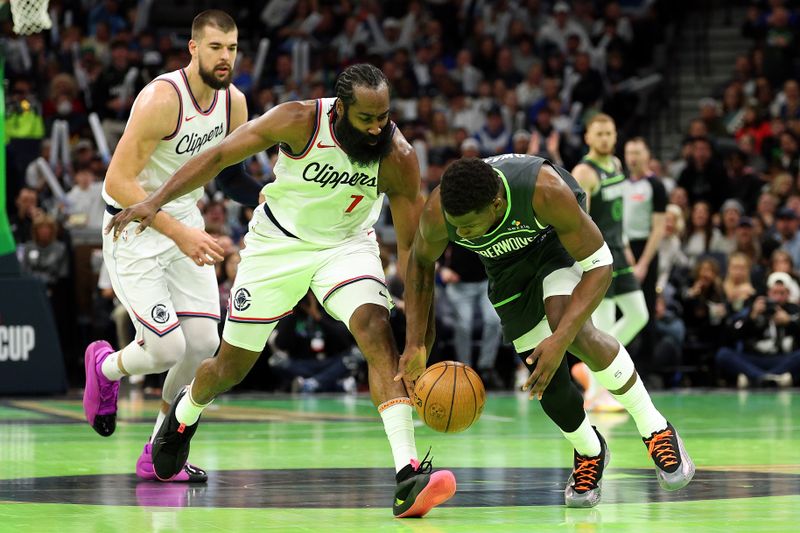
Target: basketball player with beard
[[338, 157], [600, 174], [169, 291]]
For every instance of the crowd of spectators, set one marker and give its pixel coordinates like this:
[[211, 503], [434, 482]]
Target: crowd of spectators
[[469, 78]]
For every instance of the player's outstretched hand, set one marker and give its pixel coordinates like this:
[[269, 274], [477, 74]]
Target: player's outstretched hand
[[199, 246], [547, 356], [144, 212]]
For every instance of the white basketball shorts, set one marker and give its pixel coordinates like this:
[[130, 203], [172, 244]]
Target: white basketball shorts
[[277, 271], [156, 282]]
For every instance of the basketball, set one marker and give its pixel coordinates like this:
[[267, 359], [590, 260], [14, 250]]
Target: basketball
[[449, 396]]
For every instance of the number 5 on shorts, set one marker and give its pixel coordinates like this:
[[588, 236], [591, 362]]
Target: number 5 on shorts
[[356, 198]]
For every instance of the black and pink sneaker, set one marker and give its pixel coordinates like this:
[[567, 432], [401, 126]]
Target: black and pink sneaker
[[188, 474], [419, 489], [171, 444], [100, 394]]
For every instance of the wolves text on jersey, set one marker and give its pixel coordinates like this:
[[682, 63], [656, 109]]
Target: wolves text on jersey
[[327, 175]]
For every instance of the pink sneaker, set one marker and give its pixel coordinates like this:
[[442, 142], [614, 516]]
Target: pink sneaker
[[100, 394], [188, 474]]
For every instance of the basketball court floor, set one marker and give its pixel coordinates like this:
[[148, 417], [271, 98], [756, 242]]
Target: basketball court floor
[[323, 463]]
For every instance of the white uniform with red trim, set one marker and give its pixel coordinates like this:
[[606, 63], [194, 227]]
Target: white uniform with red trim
[[153, 279], [314, 231]]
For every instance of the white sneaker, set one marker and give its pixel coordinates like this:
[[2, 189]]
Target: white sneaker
[[349, 385], [742, 381], [781, 380]]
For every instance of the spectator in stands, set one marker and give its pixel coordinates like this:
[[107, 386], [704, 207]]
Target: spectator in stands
[[114, 92], [439, 135], [786, 226], [742, 183], [702, 237], [732, 108], [545, 140], [787, 155], [780, 45], [704, 177], [704, 307], [737, 285], [787, 103], [768, 333], [84, 203], [63, 103], [755, 126], [44, 257], [494, 138], [22, 219], [586, 82], [670, 251], [467, 75], [730, 215], [765, 208], [554, 33], [530, 89], [747, 241], [520, 141]]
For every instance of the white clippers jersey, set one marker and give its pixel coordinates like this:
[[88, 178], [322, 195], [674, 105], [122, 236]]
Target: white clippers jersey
[[196, 131], [319, 195]]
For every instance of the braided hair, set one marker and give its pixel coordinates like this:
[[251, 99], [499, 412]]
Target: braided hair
[[358, 75]]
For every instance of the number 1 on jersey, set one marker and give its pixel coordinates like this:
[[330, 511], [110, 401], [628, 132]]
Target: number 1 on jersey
[[356, 198]]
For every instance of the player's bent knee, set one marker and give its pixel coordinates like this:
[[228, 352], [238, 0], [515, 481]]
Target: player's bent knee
[[167, 350], [368, 322], [202, 346]]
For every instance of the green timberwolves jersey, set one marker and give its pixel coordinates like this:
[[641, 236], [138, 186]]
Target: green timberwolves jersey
[[606, 205], [521, 250]]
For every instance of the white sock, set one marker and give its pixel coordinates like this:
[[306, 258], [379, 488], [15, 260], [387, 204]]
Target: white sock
[[638, 403], [110, 367], [584, 439], [399, 426], [188, 411], [159, 419]]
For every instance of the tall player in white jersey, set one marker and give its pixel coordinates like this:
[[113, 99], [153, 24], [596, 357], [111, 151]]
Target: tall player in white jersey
[[170, 292], [338, 158]]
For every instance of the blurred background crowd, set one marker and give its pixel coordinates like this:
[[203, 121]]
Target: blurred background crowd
[[469, 78]]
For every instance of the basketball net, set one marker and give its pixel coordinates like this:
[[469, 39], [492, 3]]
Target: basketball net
[[30, 16]]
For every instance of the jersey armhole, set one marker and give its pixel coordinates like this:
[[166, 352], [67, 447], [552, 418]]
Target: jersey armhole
[[286, 149], [180, 110]]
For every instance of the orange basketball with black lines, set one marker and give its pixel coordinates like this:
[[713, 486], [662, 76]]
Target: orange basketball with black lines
[[449, 396]]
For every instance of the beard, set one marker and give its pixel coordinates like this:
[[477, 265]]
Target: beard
[[356, 144], [211, 79]]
